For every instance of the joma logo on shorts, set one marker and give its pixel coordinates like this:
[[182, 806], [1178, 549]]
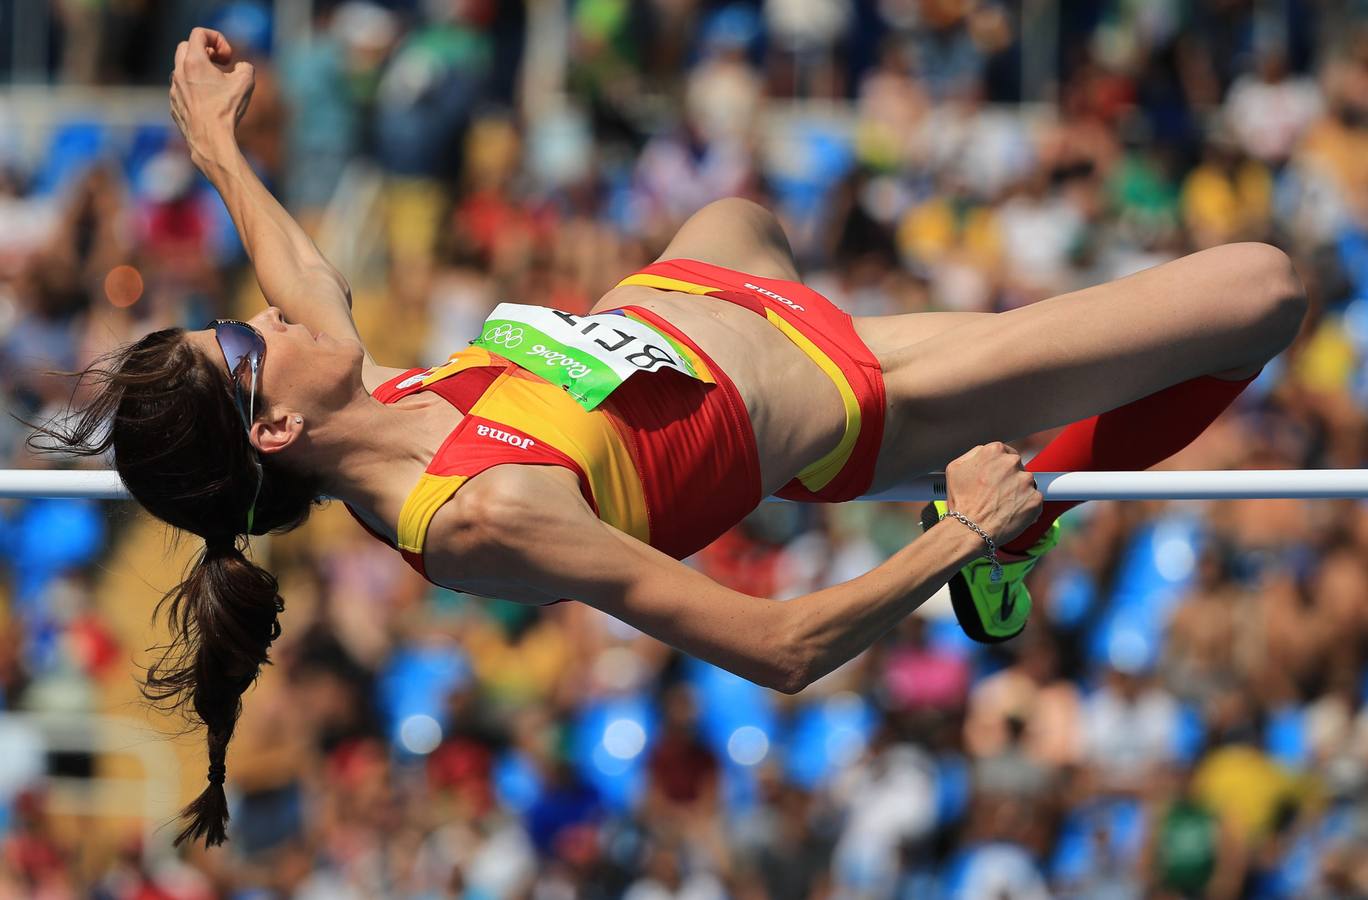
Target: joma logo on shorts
[[784, 300], [511, 439]]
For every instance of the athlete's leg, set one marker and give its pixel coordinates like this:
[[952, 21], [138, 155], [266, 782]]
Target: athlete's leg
[[1224, 311], [736, 234], [887, 335]]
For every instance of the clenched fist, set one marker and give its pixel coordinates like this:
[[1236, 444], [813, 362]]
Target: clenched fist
[[209, 93], [989, 485]]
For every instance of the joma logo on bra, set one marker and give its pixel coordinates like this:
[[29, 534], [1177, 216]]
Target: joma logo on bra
[[784, 300], [498, 435]]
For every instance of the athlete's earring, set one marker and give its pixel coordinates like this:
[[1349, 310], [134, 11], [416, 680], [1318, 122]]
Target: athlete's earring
[[299, 420]]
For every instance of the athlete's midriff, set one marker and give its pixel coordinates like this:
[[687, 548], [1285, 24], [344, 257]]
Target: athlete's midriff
[[793, 409]]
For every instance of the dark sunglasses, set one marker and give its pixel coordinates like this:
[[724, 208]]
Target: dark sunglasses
[[243, 350]]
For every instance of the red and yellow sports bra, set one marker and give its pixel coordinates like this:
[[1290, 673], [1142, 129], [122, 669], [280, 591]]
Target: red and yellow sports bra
[[669, 459]]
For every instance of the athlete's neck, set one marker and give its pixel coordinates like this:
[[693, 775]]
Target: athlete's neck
[[372, 453]]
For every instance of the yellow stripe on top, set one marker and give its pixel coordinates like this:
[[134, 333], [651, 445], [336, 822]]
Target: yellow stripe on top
[[432, 491], [549, 415], [819, 474], [421, 505]]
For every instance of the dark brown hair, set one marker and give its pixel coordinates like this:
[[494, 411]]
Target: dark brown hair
[[179, 446]]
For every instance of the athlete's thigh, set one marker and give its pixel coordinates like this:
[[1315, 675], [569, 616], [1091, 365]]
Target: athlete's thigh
[[886, 336], [1006, 375], [736, 234]]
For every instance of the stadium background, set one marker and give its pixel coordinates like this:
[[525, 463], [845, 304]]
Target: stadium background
[[1184, 716]]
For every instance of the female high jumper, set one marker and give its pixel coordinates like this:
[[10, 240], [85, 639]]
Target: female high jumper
[[535, 466]]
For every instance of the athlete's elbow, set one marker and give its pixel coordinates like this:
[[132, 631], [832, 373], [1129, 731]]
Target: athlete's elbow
[[794, 667], [808, 650], [789, 681], [770, 665], [323, 278], [343, 287]]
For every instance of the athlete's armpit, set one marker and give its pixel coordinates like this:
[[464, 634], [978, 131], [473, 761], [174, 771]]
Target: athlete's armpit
[[526, 533]]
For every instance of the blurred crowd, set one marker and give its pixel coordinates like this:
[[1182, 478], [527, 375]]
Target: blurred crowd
[[1185, 716]]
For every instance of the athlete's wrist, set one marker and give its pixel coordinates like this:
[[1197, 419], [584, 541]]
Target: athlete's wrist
[[958, 546], [215, 153], [990, 546]]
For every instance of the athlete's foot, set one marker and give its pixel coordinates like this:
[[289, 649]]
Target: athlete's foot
[[992, 611]]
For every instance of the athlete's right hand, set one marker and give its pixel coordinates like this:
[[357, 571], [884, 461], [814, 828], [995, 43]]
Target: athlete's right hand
[[209, 93], [989, 485]]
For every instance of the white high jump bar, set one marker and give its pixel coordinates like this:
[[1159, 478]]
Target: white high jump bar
[[1247, 484], [1239, 485]]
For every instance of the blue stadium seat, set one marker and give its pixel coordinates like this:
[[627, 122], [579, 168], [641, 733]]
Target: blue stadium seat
[[727, 702], [248, 24], [517, 783], [954, 788], [72, 148], [148, 139], [826, 735], [1121, 820], [1285, 737], [1073, 595], [1073, 851], [946, 634], [1297, 873], [416, 681], [48, 537], [1156, 569], [1190, 734], [814, 158], [610, 744], [1351, 247]]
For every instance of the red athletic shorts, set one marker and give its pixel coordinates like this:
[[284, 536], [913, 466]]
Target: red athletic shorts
[[827, 335]]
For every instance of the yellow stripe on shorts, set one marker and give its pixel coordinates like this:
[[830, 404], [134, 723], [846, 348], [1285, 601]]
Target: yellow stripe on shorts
[[819, 474], [660, 282]]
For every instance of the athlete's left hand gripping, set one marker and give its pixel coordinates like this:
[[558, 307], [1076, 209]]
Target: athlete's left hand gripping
[[209, 93]]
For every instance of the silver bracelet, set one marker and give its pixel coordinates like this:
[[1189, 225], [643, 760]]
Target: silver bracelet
[[996, 574]]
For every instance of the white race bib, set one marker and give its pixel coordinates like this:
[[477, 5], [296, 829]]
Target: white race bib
[[589, 356]]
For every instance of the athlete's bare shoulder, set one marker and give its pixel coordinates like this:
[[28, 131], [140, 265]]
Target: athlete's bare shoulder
[[485, 538]]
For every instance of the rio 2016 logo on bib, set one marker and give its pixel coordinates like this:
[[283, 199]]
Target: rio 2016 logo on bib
[[573, 367]]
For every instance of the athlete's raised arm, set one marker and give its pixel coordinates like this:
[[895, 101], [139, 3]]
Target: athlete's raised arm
[[209, 94], [534, 523]]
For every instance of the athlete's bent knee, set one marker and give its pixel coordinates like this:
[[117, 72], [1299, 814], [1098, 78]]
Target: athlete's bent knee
[[738, 206], [1285, 298], [1273, 298], [754, 238]]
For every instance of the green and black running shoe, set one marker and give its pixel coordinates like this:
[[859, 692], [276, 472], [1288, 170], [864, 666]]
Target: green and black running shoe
[[991, 612]]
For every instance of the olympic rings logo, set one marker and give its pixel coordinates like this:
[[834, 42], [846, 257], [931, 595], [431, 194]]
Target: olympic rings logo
[[508, 335]]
